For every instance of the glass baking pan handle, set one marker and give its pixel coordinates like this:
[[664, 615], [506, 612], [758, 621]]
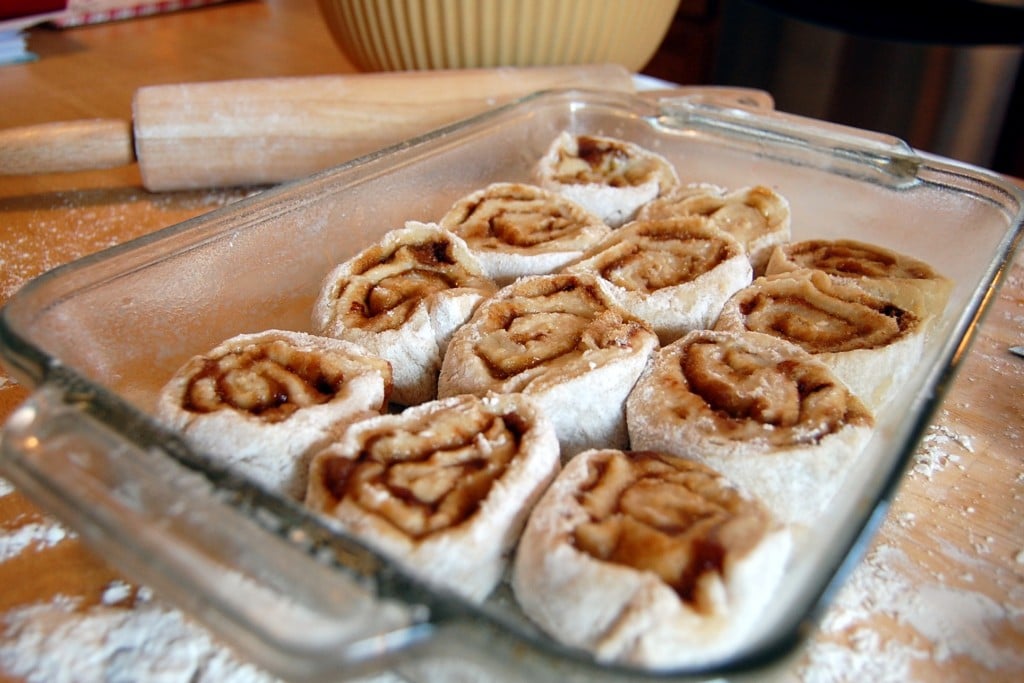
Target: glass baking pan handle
[[866, 155], [147, 515]]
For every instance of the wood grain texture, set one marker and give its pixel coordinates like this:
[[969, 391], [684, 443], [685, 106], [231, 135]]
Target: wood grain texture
[[66, 146], [262, 131]]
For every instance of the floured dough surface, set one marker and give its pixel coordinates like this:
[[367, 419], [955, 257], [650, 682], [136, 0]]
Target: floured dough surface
[[402, 299], [761, 410], [675, 274], [868, 341], [517, 229], [444, 487], [611, 178], [562, 340], [647, 559], [906, 281], [260, 402], [758, 217]]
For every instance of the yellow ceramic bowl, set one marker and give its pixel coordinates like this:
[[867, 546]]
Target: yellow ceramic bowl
[[394, 35]]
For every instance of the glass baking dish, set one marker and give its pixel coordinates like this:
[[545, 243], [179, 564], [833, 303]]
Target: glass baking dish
[[99, 337]]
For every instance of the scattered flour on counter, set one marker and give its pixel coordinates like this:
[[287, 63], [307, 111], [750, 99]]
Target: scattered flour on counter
[[56, 643], [39, 535], [951, 621], [933, 455], [6, 487]]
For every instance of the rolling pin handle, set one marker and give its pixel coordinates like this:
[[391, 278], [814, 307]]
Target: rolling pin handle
[[66, 146]]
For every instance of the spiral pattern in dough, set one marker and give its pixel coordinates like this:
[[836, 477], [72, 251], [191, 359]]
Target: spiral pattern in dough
[[820, 314], [673, 517], [548, 324], [749, 387], [424, 475], [645, 256], [387, 284], [520, 217], [271, 379]]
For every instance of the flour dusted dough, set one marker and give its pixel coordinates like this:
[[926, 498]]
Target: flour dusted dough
[[609, 177], [675, 274], [760, 410], [757, 216], [402, 299], [906, 281], [444, 488], [260, 402], [868, 341], [647, 559], [562, 340], [516, 229]]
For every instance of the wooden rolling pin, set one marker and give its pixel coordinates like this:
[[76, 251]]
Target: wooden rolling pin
[[263, 131]]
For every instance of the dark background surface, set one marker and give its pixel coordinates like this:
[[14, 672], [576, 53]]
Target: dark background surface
[[944, 76]]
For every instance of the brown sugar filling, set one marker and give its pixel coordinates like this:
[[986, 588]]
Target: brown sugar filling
[[605, 162], [429, 474], [670, 516], [665, 253], [271, 380], [752, 395], [387, 288], [557, 321], [822, 316], [755, 213], [519, 218], [852, 259]]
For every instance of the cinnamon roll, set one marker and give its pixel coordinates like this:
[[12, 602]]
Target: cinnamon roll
[[760, 410], [675, 274], [908, 282], [443, 488], [757, 216], [261, 402], [515, 229], [562, 340], [868, 341], [609, 177], [647, 559], [402, 299]]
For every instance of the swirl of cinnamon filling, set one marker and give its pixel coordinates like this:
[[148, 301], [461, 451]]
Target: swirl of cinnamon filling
[[820, 314], [271, 379], [588, 159], [670, 516], [388, 282], [746, 214], [557, 321], [747, 387], [645, 256], [849, 258], [424, 474], [522, 217]]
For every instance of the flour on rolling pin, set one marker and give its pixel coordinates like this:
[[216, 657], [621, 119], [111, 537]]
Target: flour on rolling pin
[[264, 131]]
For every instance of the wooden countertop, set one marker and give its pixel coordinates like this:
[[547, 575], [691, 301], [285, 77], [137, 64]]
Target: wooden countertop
[[939, 597]]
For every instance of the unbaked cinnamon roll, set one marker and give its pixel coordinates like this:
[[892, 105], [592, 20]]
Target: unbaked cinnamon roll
[[760, 410], [515, 229], [443, 488], [758, 217], [402, 299], [908, 282], [562, 340], [647, 559], [675, 274], [260, 402], [609, 177], [868, 341]]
